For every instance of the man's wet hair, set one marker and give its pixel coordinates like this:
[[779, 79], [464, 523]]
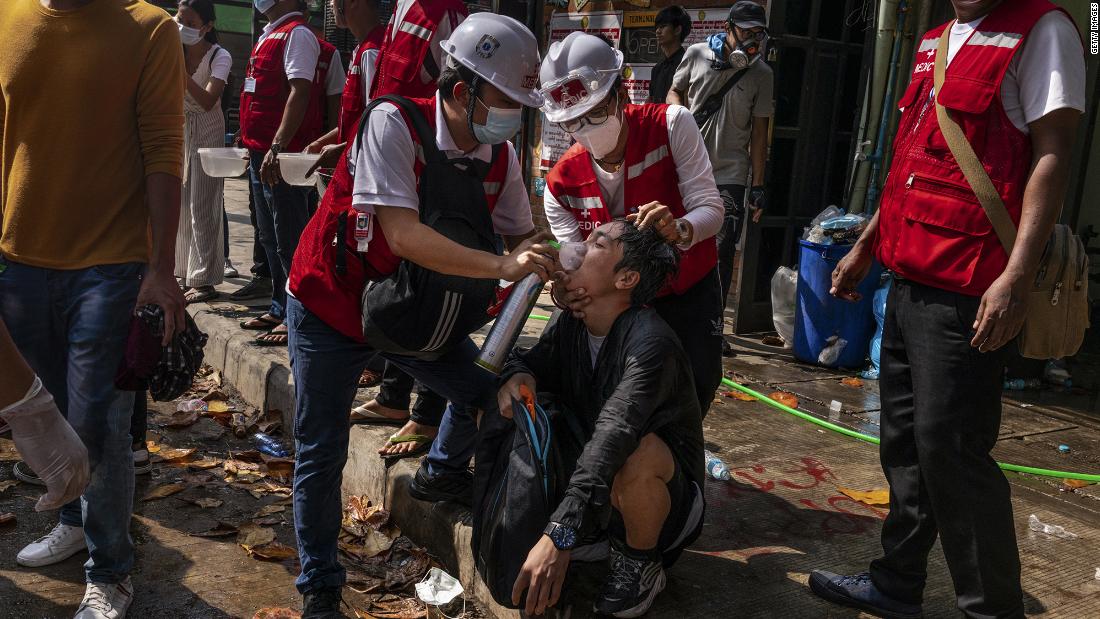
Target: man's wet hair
[[651, 255]]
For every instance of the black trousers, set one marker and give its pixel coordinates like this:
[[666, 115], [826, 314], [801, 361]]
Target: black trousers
[[696, 317], [733, 199], [396, 391], [941, 411]]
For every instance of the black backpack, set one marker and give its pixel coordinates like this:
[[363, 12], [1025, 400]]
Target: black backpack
[[420, 313], [520, 476]]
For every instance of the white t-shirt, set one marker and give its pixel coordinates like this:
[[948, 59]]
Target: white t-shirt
[[301, 51], [334, 79], [697, 189], [443, 31], [388, 178], [367, 63], [220, 65], [1046, 74], [594, 345]]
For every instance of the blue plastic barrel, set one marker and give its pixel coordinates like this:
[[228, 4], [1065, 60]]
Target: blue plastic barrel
[[818, 316]]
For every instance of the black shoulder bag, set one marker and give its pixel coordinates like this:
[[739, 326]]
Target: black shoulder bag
[[714, 102]]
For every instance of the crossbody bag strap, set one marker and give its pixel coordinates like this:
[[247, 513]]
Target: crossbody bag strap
[[713, 103], [967, 159]]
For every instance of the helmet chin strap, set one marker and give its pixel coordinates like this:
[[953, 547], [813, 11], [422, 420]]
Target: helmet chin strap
[[472, 87]]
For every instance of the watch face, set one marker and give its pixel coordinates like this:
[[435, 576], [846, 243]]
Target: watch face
[[563, 537]]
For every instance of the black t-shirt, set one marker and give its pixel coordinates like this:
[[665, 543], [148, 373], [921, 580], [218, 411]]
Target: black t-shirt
[[661, 79]]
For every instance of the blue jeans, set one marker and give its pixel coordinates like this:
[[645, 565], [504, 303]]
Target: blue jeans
[[326, 366], [71, 326], [282, 212]]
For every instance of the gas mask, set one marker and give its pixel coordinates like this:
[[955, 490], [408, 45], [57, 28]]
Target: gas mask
[[747, 52]]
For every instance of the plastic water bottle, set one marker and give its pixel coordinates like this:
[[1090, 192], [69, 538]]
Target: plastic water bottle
[[192, 405], [1019, 384], [525, 293], [267, 444], [716, 468]]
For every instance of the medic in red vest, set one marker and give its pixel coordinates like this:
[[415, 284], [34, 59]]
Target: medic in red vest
[[1013, 77], [408, 64], [282, 110], [643, 162], [361, 18], [367, 223]]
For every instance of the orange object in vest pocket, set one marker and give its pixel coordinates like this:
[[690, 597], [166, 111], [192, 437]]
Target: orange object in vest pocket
[[941, 234]]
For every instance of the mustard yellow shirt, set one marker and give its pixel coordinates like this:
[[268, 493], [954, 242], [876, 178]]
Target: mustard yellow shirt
[[91, 102]]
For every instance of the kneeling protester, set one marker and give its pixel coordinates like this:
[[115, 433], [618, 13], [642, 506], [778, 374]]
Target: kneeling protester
[[611, 450]]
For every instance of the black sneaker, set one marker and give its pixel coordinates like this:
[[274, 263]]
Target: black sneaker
[[323, 604], [859, 591], [631, 586], [727, 349], [256, 288], [457, 487]]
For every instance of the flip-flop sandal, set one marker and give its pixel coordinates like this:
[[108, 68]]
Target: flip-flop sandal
[[266, 324], [202, 293], [259, 341], [423, 445], [363, 415]]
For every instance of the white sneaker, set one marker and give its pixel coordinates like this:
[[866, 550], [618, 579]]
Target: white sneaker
[[59, 544], [142, 464], [106, 601]]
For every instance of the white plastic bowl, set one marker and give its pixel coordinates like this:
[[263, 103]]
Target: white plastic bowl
[[224, 162], [294, 167]]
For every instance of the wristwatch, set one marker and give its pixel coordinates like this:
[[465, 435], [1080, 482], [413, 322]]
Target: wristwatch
[[683, 234], [276, 148], [564, 537]]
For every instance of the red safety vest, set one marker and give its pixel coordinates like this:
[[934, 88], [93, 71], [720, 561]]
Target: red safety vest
[[650, 175], [335, 297], [354, 98], [407, 46], [932, 229], [262, 109]]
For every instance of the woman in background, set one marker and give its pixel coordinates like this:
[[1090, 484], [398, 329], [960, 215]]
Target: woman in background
[[200, 255]]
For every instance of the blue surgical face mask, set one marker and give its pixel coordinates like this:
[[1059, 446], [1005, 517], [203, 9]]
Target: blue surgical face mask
[[264, 6], [500, 125]]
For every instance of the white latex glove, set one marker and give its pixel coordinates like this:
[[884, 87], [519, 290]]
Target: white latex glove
[[49, 445]]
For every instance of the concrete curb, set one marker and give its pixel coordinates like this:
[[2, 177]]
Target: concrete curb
[[262, 376]]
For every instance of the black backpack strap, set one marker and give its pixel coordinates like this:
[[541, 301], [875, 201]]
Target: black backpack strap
[[714, 102], [424, 131]]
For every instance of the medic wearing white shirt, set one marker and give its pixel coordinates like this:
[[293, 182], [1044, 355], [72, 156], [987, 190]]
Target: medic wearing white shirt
[[282, 110], [644, 162]]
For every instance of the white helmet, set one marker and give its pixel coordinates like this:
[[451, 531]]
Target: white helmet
[[500, 50], [577, 74]]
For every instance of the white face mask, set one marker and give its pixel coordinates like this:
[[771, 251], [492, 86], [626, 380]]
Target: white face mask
[[438, 588], [599, 140], [189, 35]]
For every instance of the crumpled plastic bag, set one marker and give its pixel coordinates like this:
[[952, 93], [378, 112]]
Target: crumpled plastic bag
[[49, 445], [784, 297]]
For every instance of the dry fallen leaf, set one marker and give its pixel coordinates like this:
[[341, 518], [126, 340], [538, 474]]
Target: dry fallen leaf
[[397, 607], [268, 510], [879, 497], [165, 490], [5, 485], [1077, 483], [784, 398], [217, 406], [206, 502], [174, 455], [204, 464], [371, 544], [739, 395], [8, 452], [222, 529], [277, 613], [852, 381], [271, 551], [268, 521], [7, 519], [152, 447], [251, 535], [281, 469]]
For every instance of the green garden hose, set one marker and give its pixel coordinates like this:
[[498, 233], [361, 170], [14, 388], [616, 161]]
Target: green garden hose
[[1005, 466]]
